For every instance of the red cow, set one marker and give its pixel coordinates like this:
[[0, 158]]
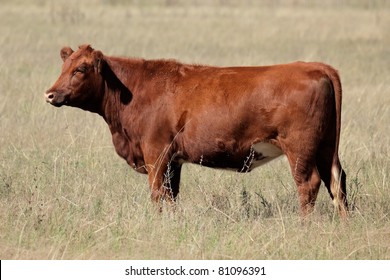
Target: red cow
[[163, 113]]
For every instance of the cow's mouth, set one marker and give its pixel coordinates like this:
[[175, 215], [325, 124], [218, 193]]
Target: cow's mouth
[[57, 104]]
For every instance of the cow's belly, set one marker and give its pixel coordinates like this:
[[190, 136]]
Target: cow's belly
[[243, 160]]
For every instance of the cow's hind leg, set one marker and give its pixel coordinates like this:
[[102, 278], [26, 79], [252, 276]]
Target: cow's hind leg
[[307, 179]]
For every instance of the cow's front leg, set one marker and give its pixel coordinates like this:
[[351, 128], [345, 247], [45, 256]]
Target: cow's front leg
[[156, 183], [172, 180], [164, 179]]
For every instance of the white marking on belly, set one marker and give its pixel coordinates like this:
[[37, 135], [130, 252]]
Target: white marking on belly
[[267, 151]]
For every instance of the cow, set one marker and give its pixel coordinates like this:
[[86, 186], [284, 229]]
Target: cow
[[163, 113]]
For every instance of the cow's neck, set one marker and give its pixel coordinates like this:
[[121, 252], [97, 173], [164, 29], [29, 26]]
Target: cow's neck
[[122, 76]]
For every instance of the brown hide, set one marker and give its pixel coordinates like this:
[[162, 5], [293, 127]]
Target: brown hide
[[162, 113]]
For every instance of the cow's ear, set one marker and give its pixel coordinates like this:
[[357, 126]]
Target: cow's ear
[[97, 61], [65, 53]]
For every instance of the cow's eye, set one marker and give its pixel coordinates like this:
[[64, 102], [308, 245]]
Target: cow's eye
[[81, 69]]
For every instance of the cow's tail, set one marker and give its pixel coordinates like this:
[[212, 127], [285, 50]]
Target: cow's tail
[[338, 176]]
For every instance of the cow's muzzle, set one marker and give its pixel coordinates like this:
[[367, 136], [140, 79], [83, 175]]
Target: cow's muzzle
[[55, 98]]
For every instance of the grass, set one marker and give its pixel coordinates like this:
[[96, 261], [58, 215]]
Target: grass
[[65, 194]]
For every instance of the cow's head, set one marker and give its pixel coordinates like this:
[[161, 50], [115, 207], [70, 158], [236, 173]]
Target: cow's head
[[80, 82]]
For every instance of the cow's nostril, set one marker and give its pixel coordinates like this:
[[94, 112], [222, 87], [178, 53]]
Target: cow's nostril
[[50, 95]]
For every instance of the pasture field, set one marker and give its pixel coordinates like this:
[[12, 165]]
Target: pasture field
[[65, 194]]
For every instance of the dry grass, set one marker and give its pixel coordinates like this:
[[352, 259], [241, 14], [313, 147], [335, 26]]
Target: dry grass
[[65, 194]]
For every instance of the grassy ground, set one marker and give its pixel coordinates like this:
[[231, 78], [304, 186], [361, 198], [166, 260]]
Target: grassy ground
[[65, 194]]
